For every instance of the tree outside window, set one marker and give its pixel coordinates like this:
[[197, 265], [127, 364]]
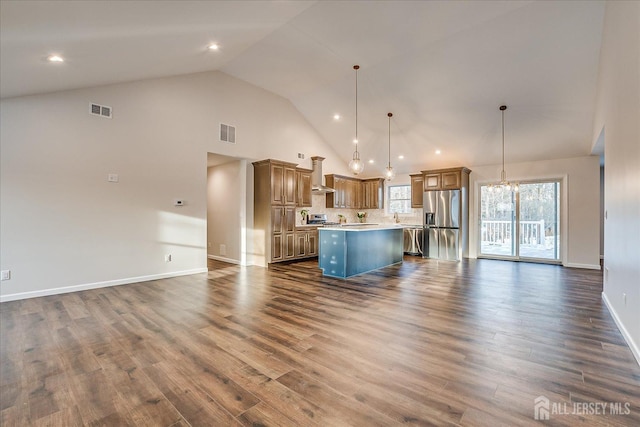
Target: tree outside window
[[400, 199]]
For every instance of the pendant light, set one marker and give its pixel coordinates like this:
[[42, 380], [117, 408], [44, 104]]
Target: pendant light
[[389, 172], [503, 175], [356, 165]]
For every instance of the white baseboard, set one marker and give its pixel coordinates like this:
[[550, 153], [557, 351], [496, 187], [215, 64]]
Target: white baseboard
[[105, 284], [224, 259], [632, 345], [587, 266]]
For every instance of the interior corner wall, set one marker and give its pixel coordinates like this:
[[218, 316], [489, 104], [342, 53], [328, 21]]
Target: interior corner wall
[[225, 193], [580, 210], [63, 227], [617, 111]]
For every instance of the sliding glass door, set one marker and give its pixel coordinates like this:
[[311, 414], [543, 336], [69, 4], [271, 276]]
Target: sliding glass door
[[522, 224]]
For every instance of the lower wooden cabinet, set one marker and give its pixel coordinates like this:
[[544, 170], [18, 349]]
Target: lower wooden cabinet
[[306, 244], [283, 227]]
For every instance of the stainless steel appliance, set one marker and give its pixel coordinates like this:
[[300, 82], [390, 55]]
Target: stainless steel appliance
[[442, 220], [319, 219], [413, 240]]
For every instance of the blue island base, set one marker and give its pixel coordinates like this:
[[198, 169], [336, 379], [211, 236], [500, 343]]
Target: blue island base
[[350, 251]]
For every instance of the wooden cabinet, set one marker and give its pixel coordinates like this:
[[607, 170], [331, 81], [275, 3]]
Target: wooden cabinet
[[283, 183], [372, 191], [303, 188], [432, 181], [443, 179], [417, 190], [353, 193], [344, 196], [306, 244], [275, 191]]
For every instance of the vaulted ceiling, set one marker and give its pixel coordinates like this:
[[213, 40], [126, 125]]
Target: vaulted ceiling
[[442, 67]]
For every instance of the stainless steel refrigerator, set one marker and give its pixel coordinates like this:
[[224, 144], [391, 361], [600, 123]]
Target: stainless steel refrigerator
[[442, 221]]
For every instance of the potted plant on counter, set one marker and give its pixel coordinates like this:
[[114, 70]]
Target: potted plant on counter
[[361, 216], [342, 219], [304, 213]]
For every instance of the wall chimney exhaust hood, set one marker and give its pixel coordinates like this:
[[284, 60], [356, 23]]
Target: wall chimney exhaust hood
[[316, 177]]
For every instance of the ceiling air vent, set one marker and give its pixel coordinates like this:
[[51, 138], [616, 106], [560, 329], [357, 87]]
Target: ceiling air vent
[[101, 110], [227, 133]]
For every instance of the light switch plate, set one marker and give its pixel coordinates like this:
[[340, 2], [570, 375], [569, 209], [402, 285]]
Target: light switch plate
[[113, 177], [5, 275]]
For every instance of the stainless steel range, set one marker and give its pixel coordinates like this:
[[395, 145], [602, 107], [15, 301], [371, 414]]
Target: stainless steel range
[[319, 219]]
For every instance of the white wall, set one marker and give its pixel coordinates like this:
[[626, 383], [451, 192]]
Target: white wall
[[64, 227], [617, 111], [579, 212], [226, 189]]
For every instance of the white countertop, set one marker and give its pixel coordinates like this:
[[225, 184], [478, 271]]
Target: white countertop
[[363, 227]]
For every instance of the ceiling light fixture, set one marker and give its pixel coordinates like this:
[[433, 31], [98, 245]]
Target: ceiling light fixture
[[356, 165], [401, 157], [371, 161], [503, 175], [213, 46], [389, 173], [55, 58], [438, 152], [336, 117]]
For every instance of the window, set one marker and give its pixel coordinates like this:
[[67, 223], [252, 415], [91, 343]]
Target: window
[[400, 199]]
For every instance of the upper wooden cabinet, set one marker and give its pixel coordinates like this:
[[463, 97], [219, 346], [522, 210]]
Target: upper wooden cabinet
[[283, 183], [303, 188], [441, 179], [417, 190], [354, 193], [372, 193]]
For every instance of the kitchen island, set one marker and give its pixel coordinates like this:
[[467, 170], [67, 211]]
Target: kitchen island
[[347, 251]]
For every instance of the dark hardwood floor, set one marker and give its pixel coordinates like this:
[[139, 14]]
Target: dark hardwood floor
[[421, 343]]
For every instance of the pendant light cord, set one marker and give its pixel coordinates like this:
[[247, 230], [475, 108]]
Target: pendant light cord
[[389, 115], [356, 67], [503, 175]]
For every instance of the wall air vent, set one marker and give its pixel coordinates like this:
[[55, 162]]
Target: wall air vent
[[101, 110], [227, 133]]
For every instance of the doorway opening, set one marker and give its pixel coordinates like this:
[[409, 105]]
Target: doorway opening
[[521, 225]]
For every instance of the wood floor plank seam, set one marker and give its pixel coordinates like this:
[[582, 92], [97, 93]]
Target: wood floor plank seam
[[424, 342]]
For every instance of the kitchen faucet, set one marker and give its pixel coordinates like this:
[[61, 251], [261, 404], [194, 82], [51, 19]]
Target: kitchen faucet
[[395, 217]]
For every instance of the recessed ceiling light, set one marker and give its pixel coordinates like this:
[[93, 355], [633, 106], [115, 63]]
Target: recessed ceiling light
[[371, 161], [336, 117], [55, 58], [438, 152], [213, 46], [401, 157], [355, 141]]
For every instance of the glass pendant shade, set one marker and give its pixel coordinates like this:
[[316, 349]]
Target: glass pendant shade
[[389, 173], [356, 165]]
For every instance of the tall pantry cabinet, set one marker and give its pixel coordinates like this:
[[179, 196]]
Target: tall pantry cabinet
[[275, 208]]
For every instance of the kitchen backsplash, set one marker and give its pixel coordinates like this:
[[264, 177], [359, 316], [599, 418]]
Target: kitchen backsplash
[[379, 216]]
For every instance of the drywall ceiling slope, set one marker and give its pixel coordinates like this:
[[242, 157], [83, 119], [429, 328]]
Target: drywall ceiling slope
[[441, 67]]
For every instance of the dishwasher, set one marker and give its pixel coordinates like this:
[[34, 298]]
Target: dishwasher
[[413, 240]]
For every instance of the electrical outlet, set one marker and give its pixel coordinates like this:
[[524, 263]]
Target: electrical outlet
[[113, 177], [223, 249], [6, 275], [624, 298], [209, 244], [167, 258], [606, 275]]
